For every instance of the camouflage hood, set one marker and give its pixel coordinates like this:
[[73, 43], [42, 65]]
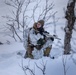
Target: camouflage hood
[[35, 24]]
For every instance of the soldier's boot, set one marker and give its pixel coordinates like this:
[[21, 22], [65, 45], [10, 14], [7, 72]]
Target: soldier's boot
[[28, 53]]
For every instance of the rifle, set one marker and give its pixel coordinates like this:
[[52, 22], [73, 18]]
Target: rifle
[[51, 36]]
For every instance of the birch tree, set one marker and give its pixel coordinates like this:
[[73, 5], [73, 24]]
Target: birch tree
[[25, 12]]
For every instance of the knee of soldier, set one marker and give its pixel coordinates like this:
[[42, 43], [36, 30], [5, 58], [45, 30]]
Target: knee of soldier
[[30, 49], [47, 51]]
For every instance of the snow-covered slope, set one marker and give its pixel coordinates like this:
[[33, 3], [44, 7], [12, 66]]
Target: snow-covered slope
[[13, 63]]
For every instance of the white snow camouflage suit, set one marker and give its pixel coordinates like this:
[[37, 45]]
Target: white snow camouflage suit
[[36, 44]]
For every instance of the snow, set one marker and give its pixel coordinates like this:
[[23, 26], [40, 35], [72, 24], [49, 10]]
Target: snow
[[11, 55], [12, 63], [37, 53]]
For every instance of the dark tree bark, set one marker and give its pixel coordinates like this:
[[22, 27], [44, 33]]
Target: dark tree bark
[[70, 16], [1, 43]]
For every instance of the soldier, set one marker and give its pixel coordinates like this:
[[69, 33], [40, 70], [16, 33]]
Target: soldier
[[36, 41]]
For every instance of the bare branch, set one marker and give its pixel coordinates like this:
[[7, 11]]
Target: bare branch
[[74, 61], [19, 15], [42, 69], [9, 3], [25, 68], [24, 14], [34, 9], [64, 61], [14, 31]]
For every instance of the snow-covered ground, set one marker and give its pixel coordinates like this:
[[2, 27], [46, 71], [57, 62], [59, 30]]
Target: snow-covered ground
[[11, 53], [13, 63]]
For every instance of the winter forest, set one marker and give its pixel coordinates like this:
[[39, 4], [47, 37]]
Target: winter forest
[[37, 37]]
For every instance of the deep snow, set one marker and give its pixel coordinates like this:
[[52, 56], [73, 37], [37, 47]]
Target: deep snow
[[12, 61]]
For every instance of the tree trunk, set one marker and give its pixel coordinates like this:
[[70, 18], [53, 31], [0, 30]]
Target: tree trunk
[[70, 16]]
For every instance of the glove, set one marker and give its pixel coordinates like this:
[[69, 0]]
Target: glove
[[41, 41], [52, 38], [31, 45]]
